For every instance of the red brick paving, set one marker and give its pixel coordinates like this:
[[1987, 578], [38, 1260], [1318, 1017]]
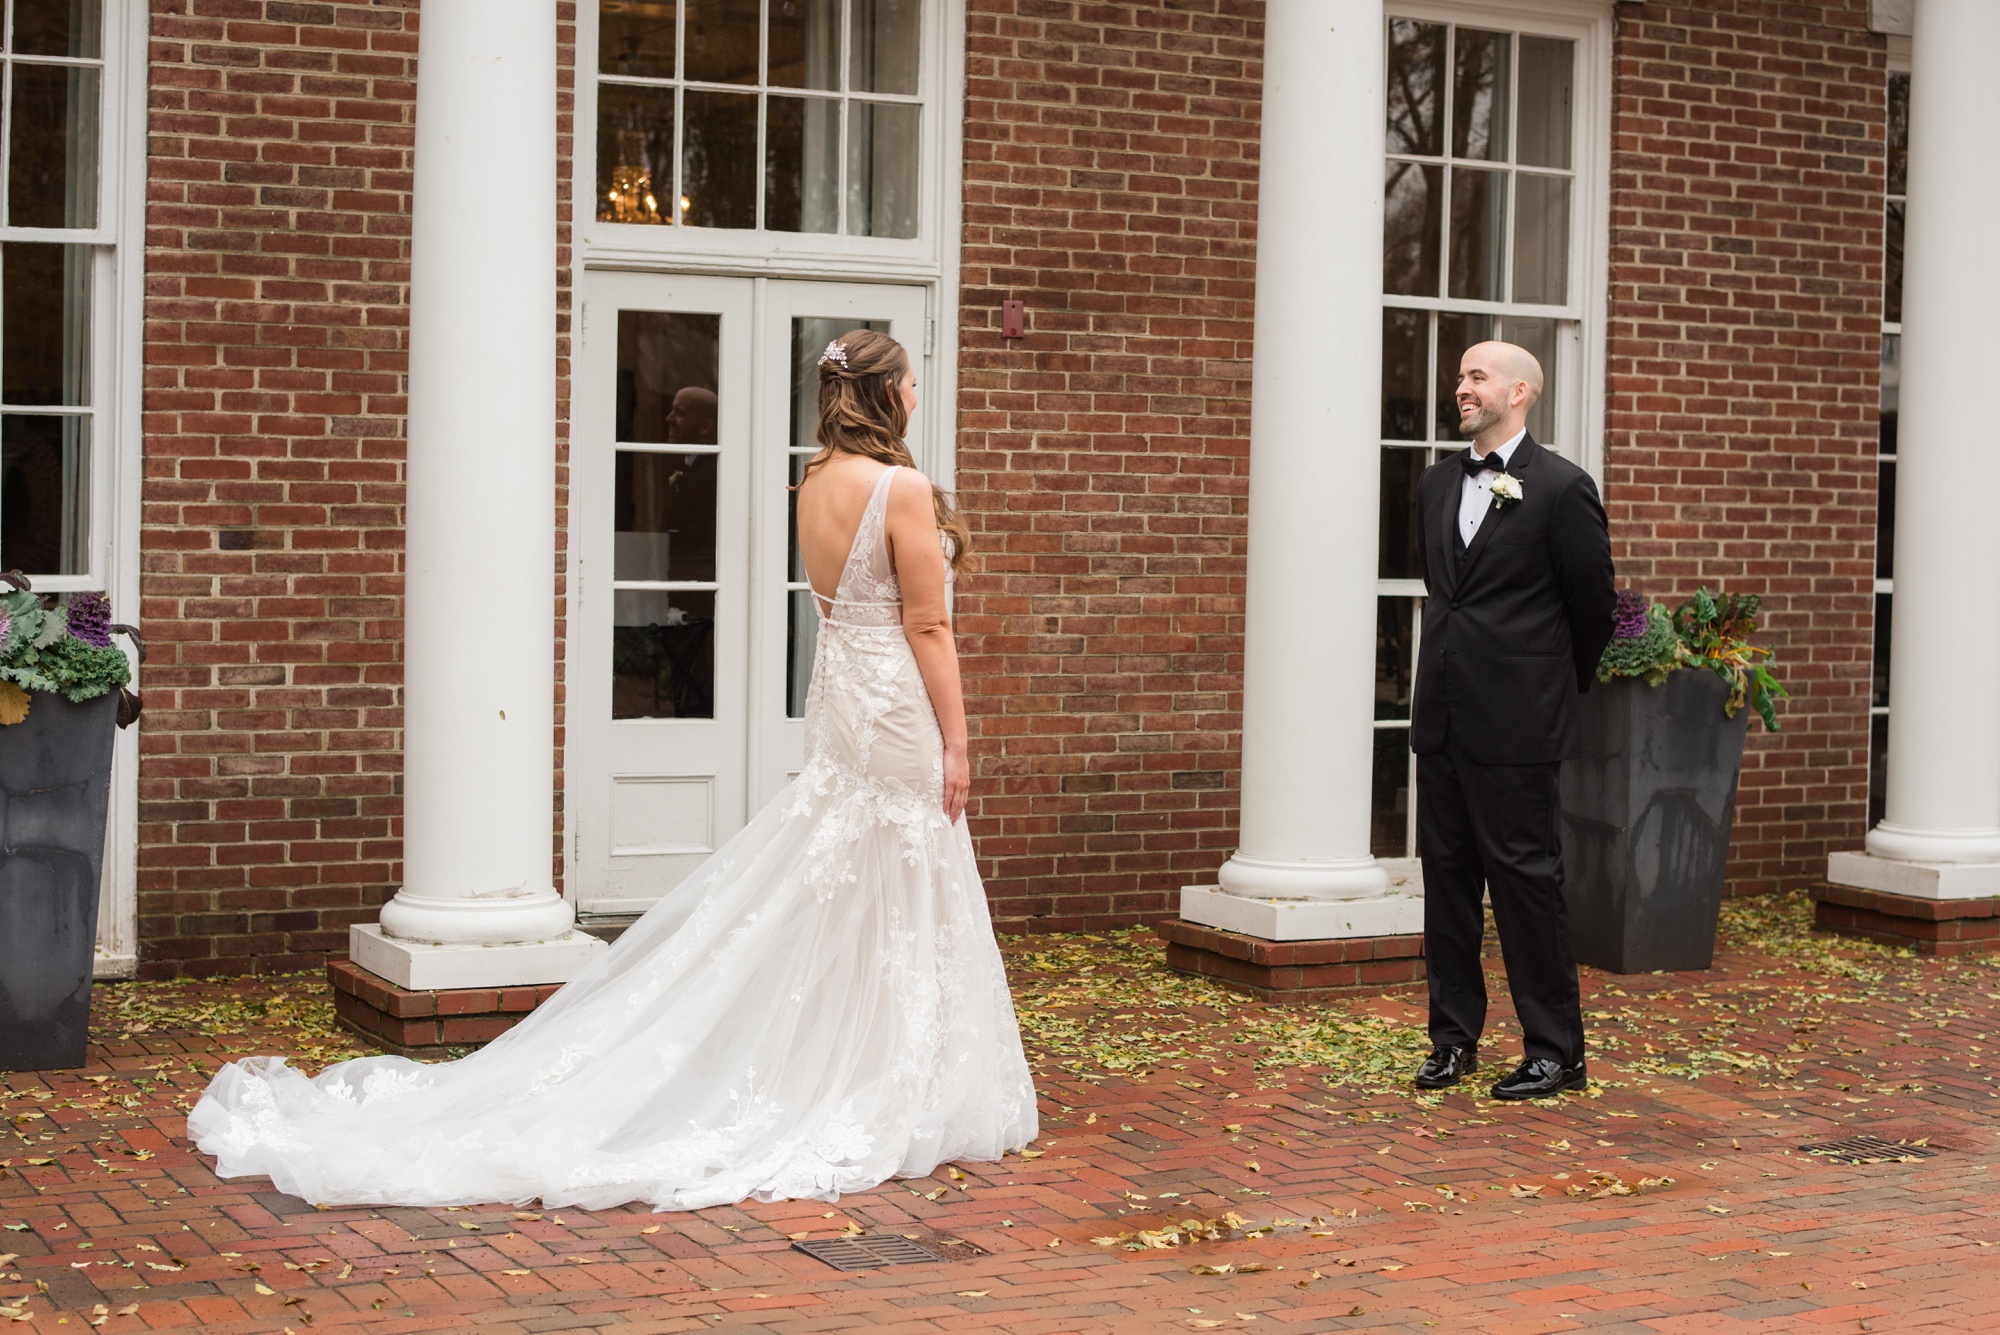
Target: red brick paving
[[1387, 1211]]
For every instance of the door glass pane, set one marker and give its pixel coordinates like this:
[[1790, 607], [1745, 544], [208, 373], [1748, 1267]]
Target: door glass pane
[[1412, 222], [882, 147], [719, 159], [1405, 367], [1416, 87], [1538, 336], [635, 154], [44, 494], [1455, 333], [664, 516], [801, 643], [1479, 95], [44, 324], [1401, 547], [57, 28], [722, 41], [663, 653], [884, 43], [805, 44], [52, 147], [1389, 823], [667, 377], [1547, 75], [636, 37], [802, 164], [1478, 232]]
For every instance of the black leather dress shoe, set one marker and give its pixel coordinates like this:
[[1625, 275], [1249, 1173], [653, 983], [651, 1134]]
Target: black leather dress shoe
[[1540, 1078], [1447, 1066]]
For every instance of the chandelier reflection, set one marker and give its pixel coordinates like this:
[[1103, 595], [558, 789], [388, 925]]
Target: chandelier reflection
[[630, 198]]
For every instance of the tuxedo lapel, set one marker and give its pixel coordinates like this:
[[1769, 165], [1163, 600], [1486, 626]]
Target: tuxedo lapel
[[1517, 466]]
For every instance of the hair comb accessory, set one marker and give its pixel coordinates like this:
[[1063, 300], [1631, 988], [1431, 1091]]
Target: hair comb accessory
[[835, 352]]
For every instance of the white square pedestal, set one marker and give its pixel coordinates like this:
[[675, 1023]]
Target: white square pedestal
[[1920, 880], [1394, 914], [422, 967]]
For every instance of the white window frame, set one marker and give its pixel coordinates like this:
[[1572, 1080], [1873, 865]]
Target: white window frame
[[1898, 63], [116, 471], [1581, 361]]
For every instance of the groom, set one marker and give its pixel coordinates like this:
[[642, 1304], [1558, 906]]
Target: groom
[[1517, 566]]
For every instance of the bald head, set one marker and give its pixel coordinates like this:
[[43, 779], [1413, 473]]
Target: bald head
[[1497, 384]]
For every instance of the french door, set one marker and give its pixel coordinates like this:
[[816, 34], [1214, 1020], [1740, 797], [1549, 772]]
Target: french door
[[691, 628]]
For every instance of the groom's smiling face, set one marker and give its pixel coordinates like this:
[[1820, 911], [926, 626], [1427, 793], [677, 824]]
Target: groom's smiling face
[[1496, 382]]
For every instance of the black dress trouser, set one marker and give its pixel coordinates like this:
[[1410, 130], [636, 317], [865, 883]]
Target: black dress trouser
[[1496, 828]]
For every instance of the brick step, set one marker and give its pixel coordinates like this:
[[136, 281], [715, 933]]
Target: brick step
[[426, 1024], [1292, 972], [1944, 927]]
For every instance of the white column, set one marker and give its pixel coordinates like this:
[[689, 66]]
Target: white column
[[1940, 835], [1309, 639], [478, 905]]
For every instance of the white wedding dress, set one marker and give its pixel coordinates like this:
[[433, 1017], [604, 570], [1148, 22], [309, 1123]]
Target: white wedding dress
[[819, 1008]]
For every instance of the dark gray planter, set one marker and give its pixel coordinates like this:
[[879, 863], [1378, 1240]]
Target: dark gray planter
[[1647, 808], [55, 791]]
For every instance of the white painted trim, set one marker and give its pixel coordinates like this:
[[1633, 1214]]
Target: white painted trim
[[115, 507]]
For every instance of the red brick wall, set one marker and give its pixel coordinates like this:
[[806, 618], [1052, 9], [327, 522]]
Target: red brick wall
[[1746, 275], [277, 248], [1110, 183]]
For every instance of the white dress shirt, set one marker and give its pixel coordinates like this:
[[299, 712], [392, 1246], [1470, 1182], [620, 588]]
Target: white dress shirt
[[1477, 498]]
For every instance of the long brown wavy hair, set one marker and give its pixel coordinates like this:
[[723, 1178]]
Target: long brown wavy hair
[[860, 412]]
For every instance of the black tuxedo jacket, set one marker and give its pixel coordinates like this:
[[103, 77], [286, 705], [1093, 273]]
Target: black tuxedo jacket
[[1514, 624]]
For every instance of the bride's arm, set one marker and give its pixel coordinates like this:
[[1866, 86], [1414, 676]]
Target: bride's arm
[[913, 546]]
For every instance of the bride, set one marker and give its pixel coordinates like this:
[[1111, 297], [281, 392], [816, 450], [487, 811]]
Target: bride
[[818, 1008]]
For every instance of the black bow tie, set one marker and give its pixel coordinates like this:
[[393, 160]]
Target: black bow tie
[[1475, 464]]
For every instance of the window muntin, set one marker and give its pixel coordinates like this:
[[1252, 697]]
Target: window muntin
[[1479, 222], [799, 116], [51, 111]]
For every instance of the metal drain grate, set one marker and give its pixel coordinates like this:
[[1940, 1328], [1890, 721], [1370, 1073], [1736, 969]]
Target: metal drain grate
[[867, 1253], [1870, 1149]]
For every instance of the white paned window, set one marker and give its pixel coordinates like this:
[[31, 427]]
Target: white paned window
[[784, 116], [1484, 236], [52, 237], [1885, 495]]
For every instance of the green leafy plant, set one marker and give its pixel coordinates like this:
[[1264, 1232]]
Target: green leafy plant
[[62, 651], [1714, 631], [1709, 631]]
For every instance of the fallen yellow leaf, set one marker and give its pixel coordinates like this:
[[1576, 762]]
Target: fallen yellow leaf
[[517, 1272], [263, 1289], [973, 1293], [650, 1228]]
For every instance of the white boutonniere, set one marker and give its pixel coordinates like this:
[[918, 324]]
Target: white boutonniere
[[1506, 489]]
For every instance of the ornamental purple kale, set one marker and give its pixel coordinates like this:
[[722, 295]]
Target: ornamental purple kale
[[90, 619], [1628, 619]]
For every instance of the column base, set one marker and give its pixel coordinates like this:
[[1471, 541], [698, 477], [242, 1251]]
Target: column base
[[1399, 912], [430, 1024], [422, 967], [1292, 973], [1918, 880], [1926, 924]]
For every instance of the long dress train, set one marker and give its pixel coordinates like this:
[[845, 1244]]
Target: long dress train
[[818, 1008]]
